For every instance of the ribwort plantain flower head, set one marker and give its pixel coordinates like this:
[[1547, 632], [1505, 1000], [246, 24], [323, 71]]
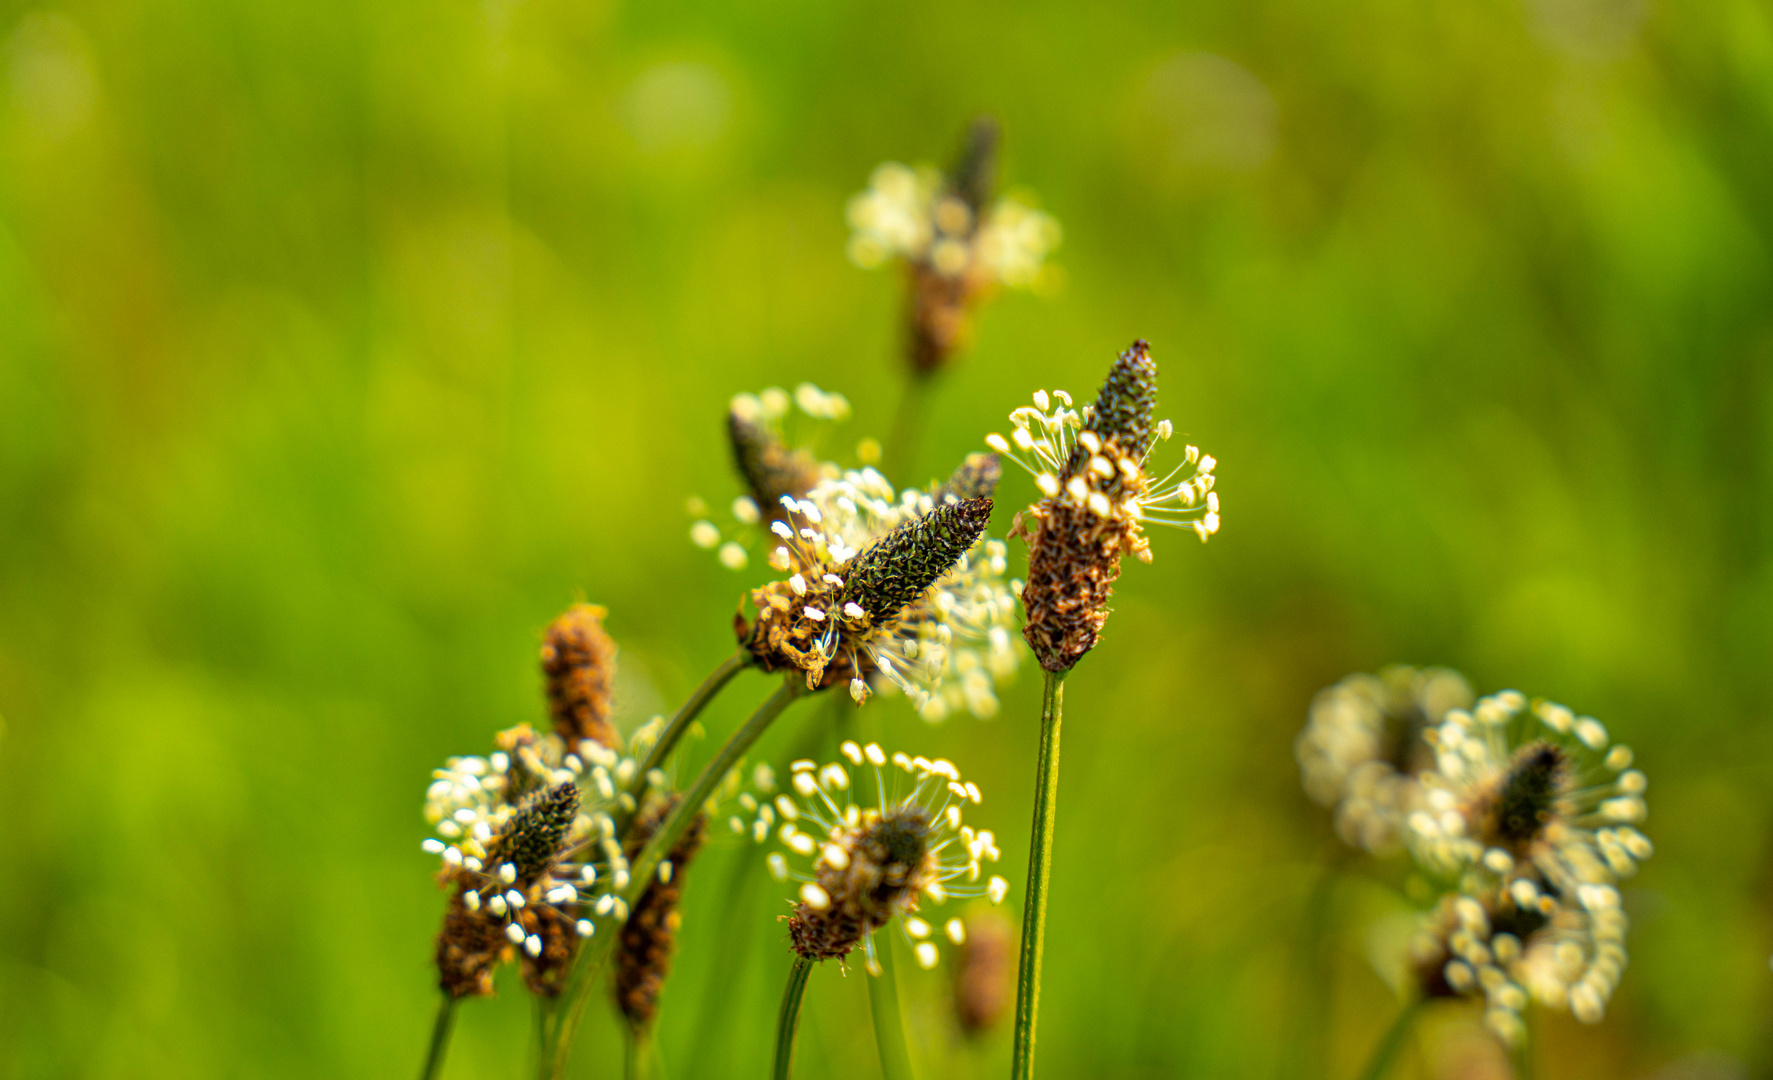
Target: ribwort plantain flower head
[[526, 841], [1532, 813], [578, 669], [901, 588], [957, 244], [649, 937], [879, 858], [1091, 468], [774, 438], [1363, 744]]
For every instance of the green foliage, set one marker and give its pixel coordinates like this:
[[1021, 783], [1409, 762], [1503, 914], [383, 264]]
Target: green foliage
[[342, 346]]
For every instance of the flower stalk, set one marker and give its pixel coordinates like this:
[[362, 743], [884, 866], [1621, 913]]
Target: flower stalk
[[1040, 869], [788, 1020], [711, 687], [1389, 1045], [440, 1033], [562, 1023], [889, 1022]]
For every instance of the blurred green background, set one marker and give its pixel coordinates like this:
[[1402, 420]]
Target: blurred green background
[[343, 345]]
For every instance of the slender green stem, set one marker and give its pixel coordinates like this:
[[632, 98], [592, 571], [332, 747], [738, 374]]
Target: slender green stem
[[889, 1023], [686, 715], [440, 1032], [738, 909], [789, 1019], [563, 1024], [630, 1052], [1523, 1055], [1040, 871], [1393, 1041]]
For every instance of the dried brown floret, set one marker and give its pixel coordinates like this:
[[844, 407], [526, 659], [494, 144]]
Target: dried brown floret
[[885, 865], [1074, 547], [579, 665], [545, 973], [649, 939], [470, 945]]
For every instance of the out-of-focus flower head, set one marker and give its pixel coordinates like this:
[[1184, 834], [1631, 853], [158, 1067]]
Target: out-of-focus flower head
[[1532, 814], [878, 858], [1363, 744], [775, 439], [1090, 467], [984, 971], [649, 937], [956, 243], [526, 838]]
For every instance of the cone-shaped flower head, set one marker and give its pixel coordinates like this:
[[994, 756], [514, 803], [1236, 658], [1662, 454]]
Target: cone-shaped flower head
[[890, 585], [1532, 814], [526, 837], [1090, 467], [957, 244], [1363, 744], [879, 858], [649, 938], [774, 438], [578, 668]]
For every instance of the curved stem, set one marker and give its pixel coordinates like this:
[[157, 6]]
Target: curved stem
[[889, 1023], [733, 939], [440, 1032], [789, 1018], [557, 1040], [1386, 1051], [1040, 868], [1523, 1055], [686, 715]]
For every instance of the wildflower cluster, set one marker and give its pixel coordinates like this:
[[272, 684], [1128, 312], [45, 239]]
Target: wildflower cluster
[[1533, 813], [881, 858], [525, 836], [1363, 745], [1090, 467], [956, 243], [1523, 812], [901, 588]]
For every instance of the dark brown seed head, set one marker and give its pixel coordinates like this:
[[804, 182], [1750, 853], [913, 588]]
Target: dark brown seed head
[[1526, 799], [939, 317], [579, 666], [469, 946], [984, 971], [649, 939], [768, 468], [881, 581], [1074, 551], [545, 973], [889, 859]]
